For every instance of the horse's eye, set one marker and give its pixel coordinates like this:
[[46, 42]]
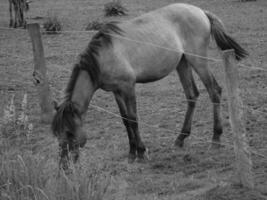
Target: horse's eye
[[69, 134]]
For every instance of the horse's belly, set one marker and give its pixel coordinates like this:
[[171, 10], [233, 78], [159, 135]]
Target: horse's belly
[[156, 53], [156, 66]]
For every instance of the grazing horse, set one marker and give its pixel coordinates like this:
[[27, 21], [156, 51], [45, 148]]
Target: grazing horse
[[19, 7], [114, 62]]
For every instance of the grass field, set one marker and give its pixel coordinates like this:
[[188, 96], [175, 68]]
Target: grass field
[[29, 156]]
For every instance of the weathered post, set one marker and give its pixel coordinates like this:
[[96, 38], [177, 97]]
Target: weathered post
[[242, 154], [39, 73]]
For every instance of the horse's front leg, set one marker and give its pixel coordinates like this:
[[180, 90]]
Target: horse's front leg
[[133, 121], [126, 100], [131, 136]]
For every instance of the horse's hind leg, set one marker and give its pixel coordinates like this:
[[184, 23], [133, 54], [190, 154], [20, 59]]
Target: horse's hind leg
[[191, 92], [10, 14], [16, 13], [214, 90], [126, 100]]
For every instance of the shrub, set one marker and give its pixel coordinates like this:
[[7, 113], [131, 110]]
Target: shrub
[[114, 8], [52, 25], [94, 25]]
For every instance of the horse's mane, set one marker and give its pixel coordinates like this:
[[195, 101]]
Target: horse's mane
[[88, 62], [88, 59]]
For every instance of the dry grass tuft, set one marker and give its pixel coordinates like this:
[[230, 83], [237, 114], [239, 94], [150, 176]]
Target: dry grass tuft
[[25, 175], [29, 176], [115, 8], [29, 166], [94, 25], [15, 123], [52, 25]]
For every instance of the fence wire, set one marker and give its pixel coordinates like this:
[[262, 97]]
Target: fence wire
[[198, 140], [150, 44]]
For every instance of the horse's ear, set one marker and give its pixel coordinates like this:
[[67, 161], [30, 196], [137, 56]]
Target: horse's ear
[[55, 104]]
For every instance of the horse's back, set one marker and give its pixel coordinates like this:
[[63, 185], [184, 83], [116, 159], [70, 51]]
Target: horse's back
[[152, 44], [181, 19]]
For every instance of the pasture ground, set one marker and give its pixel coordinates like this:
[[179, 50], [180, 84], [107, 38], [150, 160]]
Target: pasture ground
[[29, 161]]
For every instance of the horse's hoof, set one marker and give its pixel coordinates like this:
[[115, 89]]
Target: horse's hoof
[[141, 160], [216, 144], [144, 157], [131, 158], [179, 143]]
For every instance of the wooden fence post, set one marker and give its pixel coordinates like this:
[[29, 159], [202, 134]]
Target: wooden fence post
[[242, 154], [39, 73]]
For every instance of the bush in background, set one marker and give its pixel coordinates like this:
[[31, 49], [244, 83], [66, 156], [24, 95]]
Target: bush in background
[[94, 25], [52, 25], [114, 8]]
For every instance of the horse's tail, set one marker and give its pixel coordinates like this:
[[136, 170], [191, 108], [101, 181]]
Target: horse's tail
[[223, 40]]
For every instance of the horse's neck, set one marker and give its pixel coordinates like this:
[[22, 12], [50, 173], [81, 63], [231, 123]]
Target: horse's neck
[[83, 91]]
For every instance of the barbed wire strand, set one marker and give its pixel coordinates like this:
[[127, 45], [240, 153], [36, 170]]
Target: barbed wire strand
[[251, 68], [146, 124], [143, 42], [188, 100], [31, 59], [200, 140], [155, 45]]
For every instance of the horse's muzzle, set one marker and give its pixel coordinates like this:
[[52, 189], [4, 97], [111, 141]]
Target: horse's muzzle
[[82, 139]]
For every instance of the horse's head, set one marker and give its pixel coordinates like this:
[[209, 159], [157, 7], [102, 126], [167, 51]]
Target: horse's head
[[67, 127]]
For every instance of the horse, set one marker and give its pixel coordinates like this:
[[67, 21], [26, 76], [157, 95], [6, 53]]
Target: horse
[[19, 7], [113, 62]]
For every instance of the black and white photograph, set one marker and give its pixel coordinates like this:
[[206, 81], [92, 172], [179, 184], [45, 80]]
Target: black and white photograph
[[133, 99]]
